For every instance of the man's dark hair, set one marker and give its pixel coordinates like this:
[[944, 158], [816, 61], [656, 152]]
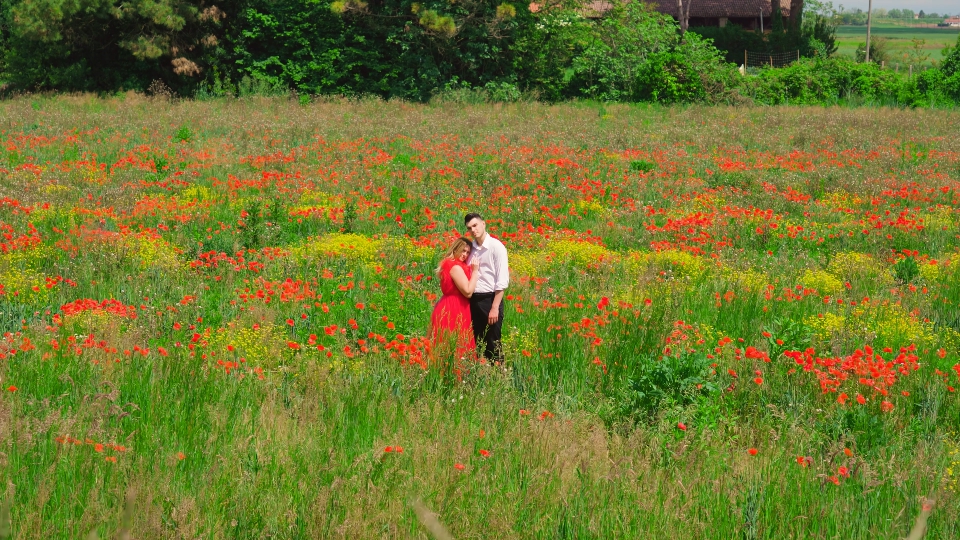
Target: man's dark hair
[[470, 217]]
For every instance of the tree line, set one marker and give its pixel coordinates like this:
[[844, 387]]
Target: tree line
[[405, 49]]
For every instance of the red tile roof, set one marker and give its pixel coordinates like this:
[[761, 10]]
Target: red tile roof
[[699, 8], [725, 8]]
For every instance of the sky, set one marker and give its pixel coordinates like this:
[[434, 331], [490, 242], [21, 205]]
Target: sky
[[932, 6]]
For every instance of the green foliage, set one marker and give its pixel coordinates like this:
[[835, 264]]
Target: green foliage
[[828, 81], [650, 385], [787, 335], [546, 49], [183, 134], [951, 63], [403, 49], [642, 165], [817, 36], [821, 36], [470, 51], [105, 44], [879, 50], [906, 270], [636, 54]]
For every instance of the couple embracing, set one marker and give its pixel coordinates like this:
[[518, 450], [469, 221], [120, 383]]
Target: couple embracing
[[473, 275]]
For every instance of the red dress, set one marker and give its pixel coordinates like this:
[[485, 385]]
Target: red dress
[[451, 316]]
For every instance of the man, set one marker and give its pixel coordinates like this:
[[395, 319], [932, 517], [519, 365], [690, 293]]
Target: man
[[486, 305]]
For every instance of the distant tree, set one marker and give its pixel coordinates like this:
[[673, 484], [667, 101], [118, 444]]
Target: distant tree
[[906, 13], [895, 14], [921, 14], [820, 7], [879, 50]]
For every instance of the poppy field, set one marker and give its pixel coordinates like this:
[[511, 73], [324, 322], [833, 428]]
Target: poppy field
[[721, 322]]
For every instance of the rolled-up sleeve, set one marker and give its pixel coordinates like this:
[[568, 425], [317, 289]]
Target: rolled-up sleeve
[[501, 267]]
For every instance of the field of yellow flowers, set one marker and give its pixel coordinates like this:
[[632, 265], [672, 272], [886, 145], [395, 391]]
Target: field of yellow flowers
[[723, 322]]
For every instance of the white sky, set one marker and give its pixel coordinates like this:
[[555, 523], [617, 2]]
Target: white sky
[[931, 6]]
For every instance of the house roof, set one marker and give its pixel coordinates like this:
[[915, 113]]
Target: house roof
[[952, 20], [725, 8], [699, 8]]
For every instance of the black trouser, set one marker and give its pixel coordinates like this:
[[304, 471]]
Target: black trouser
[[487, 335]]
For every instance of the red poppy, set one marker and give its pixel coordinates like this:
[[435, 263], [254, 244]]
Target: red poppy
[[12, 388], [484, 453], [752, 451], [459, 466], [681, 426]]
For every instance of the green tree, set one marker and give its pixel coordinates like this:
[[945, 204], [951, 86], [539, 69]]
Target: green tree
[[435, 43], [879, 51], [638, 54], [106, 44]]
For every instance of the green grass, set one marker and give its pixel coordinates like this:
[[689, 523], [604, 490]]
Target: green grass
[[661, 258], [900, 41]]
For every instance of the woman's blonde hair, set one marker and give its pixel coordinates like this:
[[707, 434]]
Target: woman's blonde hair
[[454, 250]]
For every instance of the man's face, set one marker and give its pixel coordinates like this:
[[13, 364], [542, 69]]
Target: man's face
[[477, 228]]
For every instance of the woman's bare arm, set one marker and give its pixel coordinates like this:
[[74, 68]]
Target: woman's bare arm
[[459, 277]]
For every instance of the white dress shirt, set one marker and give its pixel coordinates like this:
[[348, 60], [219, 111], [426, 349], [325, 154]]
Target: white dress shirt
[[494, 270]]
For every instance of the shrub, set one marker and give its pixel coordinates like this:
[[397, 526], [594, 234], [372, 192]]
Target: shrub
[[649, 385], [879, 50], [821, 81], [636, 54]]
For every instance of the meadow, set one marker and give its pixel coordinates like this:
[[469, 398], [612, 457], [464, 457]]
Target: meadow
[[900, 45], [722, 322]]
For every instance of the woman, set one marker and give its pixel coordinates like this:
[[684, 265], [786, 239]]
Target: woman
[[451, 316]]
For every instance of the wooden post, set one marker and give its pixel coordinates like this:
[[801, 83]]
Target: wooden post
[[745, 66], [798, 55], [911, 71], [869, 21], [771, 61], [883, 64]]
